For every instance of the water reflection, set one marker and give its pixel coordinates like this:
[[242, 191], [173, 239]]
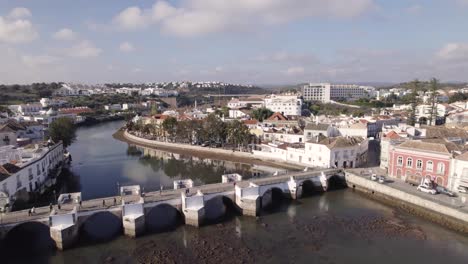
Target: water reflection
[[102, 162]]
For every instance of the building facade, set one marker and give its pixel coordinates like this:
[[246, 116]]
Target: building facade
[[288, 105], [415, 160], [28, 170], [326, 92]]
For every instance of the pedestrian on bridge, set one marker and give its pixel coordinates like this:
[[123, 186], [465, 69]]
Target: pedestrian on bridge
[[51, 207], [103, 202], [29, 212], [115, 201], [80, 204]]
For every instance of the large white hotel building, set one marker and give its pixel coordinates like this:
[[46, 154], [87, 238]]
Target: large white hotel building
[[326, 92]]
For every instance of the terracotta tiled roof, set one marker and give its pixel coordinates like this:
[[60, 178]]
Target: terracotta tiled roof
[[341, 142], [444, 132], [277, 116], [320, 127], [463, 156], [425, 146], [250, 122], [392, 135]]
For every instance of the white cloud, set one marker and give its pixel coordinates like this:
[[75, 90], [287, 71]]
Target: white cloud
[[19, 12], [200, 17], [137, 70], [131, 18], [84, 49], [13, 29], [293, 71], [126, 47], [454, 52], [40, 60], [65, 34]]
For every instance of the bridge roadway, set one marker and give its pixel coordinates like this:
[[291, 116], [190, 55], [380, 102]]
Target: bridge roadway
[[88, 206]]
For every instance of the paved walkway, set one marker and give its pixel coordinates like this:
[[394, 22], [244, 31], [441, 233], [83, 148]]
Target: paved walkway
[[460, 202]]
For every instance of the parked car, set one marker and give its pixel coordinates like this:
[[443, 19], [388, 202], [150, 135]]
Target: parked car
[[462, 189], [445, 191], [373, 177], [205, 144], [425, 189], [381, 179]]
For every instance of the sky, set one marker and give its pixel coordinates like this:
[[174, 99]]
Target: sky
[[236, 41]]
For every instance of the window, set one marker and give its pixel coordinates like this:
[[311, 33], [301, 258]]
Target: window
[[440, 168], [419, 164], [400, 161], [429, 165], [409, 163]]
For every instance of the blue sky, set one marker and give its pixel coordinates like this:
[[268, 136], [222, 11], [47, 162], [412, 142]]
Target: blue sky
[[241, 41]]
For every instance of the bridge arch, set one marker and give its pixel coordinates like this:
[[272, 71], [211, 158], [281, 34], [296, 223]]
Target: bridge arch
[[101, 226], [310, 188], [271, 198], [162, 217], [218, 208], [336, 182], [28, 240]]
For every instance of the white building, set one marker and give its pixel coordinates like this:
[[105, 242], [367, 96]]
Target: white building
[[326, 92], [7, 135], [46, 102], [29, 109], [28, 169], [116, 107], [287, 105], [251, 102], [338, 152], [458, 172]]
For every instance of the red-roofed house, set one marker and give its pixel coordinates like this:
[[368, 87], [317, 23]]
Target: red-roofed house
[[414, 160]]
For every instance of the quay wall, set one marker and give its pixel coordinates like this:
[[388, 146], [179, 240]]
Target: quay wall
[[436, 212], [215, 151]]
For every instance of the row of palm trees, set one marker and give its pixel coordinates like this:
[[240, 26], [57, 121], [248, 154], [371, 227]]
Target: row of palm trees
[[211, 130]]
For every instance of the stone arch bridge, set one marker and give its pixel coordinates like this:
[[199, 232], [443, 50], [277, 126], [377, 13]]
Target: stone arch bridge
[[130, 212]]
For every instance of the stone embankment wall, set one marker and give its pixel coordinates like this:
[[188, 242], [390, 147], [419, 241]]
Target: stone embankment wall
[[442, 214], [224, 152]]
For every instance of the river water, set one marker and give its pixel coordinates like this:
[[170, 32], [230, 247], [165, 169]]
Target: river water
[[335, 227], [102, 163]]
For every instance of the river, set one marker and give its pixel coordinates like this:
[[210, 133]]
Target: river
[[103, 163], [335, 227]]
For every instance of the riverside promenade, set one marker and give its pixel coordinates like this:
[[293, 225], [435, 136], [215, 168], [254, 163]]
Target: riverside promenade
[[248, 196], [448, 211]]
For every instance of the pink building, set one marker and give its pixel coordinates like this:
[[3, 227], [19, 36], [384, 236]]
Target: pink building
[[413, 160]]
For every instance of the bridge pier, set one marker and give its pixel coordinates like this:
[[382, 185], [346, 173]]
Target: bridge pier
[[193, 209], [133, 218], [63, 229], [248, 199]]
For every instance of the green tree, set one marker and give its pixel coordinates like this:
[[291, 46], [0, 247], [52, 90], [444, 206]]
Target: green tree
[[170, 126], [63, 129], [214, 129], [262, 113], [433, 87], [238, 133], [413, 100]]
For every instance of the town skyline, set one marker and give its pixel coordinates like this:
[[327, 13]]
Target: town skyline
[[254, 42]]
